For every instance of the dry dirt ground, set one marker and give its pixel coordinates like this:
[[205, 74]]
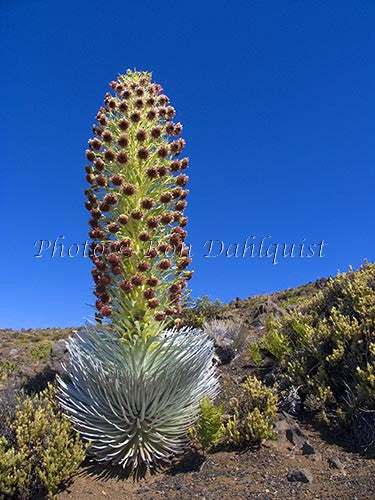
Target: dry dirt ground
[[334, 472]]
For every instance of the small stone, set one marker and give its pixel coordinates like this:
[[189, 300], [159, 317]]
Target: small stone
[[13, 352], [299, 476], [335, 463], [142, 489], [296, 435], [307, 449]]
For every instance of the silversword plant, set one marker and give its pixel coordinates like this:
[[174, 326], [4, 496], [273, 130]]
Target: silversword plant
[[134, 389]]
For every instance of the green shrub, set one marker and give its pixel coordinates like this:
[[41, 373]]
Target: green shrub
[[275, 341], [252, 414], [255, 354], [6, 369], [332, 356], [38, 449], [41, 350], [201, 310], [209, 426]]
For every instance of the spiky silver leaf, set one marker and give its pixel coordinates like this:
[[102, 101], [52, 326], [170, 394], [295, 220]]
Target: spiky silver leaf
[[136, 401]]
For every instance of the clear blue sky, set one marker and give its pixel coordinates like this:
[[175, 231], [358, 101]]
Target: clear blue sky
[[277, 101]]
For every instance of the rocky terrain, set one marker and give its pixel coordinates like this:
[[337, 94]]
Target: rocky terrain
[[304, 462]]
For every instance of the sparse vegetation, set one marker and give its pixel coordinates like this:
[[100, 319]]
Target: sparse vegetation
[[251, 415], [202, 309], [332, 353], [209, 427], [38, 448], [6, 368]]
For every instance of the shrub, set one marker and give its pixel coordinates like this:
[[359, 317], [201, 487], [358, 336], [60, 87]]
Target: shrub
[[209, 426], [38, 449], [275, 341], [6, 368], [255, 354], [41, 350], [202, 310], [252, 414], [332, 356]]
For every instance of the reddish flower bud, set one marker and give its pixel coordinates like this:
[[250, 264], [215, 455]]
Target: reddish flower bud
[[90, 155], [113, 259], [181, 180], [152, 281], [169, 128], [176, 192], [137, 280], [166, 197], [152, 173], [117, 270], [151, 115], [122, 157], [183, 221], [149, 293], [135, 117], [163, 100], [143, 153], [116, 180], [162, 170], [101, 180], [123, 219], [104, 207], [151, 253], [156, 132], [180, 205], [123, 107], [123, 140], [106, 311], [164, 264], [113, 227], [95, 144], [150, 102], [166, 218], [99, 164], [144, 236], [152, 223], [147, 203], [138, 104], [129, 189], [123, 124], [162, 152], [127, 252], [141, 135], [109, 155], [110, 199], [125, 285], [136, 214], [170, 111], [160, 316], [143, 266], [175, 166], [183, 263], [107, 136], [153, 303]]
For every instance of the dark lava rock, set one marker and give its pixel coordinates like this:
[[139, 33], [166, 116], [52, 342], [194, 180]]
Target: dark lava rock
[[300, 476], [58, 355]]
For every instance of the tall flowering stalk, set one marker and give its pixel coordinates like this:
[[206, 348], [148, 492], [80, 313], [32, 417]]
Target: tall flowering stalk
[[136, 200], [134, 390]]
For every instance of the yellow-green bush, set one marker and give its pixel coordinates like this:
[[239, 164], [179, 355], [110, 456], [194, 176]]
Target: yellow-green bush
[[6, 368], [332, 353], [252, 414], [38, 449], [200, 310], [209, 427]]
